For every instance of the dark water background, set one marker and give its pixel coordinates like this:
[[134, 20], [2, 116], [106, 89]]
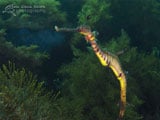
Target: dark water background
[[45, 39]]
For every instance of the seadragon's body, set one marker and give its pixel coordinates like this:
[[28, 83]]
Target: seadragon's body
[[106, 59]]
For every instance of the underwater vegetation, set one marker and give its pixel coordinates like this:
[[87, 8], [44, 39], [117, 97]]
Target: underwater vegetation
[[52, 76], [24, 56], [22, 97]]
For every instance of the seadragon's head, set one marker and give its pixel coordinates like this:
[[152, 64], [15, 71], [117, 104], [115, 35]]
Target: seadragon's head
[[83, 29], [86, 31]]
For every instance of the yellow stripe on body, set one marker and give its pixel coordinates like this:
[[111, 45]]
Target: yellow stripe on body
[[98, 52], [101, 59], [116, 68], [92, 38]]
